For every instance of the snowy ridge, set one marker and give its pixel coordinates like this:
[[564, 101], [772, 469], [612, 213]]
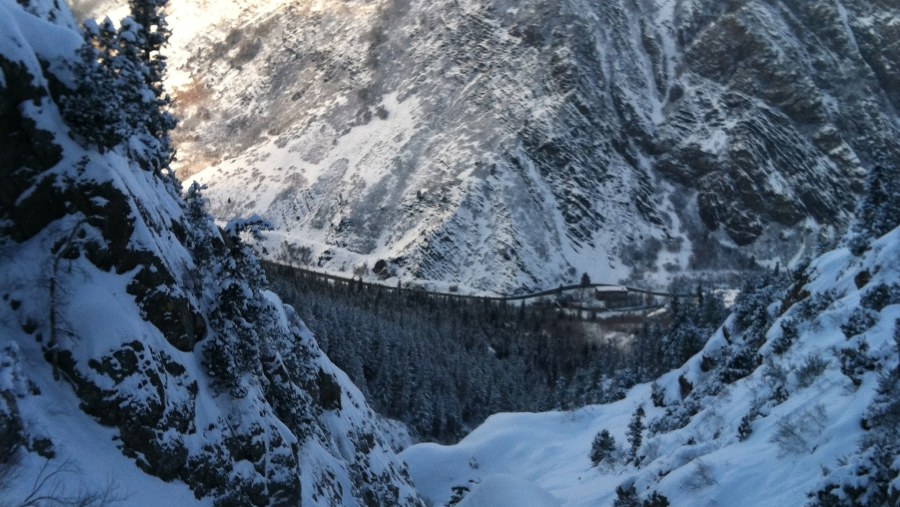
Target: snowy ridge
[[782, 430], [113, 311]]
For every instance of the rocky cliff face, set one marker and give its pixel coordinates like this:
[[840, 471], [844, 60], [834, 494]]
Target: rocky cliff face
[[540, 139], [115, 314]]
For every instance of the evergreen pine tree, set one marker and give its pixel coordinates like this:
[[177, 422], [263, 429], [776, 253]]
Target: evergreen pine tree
[[150, 16], [142, 36], [232, 354], [878, 211], [94, 110], [656, 500], [635, 433], [711, 311], [602, 448], [119, 96], [202, 232], [626, 495]]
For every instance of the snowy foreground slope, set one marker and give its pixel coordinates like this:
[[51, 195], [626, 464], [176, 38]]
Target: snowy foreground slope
[[142, 360], [781, 404]]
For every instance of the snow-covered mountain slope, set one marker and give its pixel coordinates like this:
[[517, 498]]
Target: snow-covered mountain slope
[[793, 401], [510, 145], [142, 360]]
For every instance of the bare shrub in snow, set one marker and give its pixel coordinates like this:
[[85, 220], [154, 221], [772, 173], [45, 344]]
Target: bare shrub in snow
[[776, 378], [702, 477], [51, 486], [782, 343], [810, 370], [361, 271], [650, 451], [658, 395], [856, 362], [880, 296], [797, 434], [745, 429], [816, 304], [860, 321]]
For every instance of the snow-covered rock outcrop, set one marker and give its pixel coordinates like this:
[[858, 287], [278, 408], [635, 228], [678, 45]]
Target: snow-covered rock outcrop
[[141, 357]]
